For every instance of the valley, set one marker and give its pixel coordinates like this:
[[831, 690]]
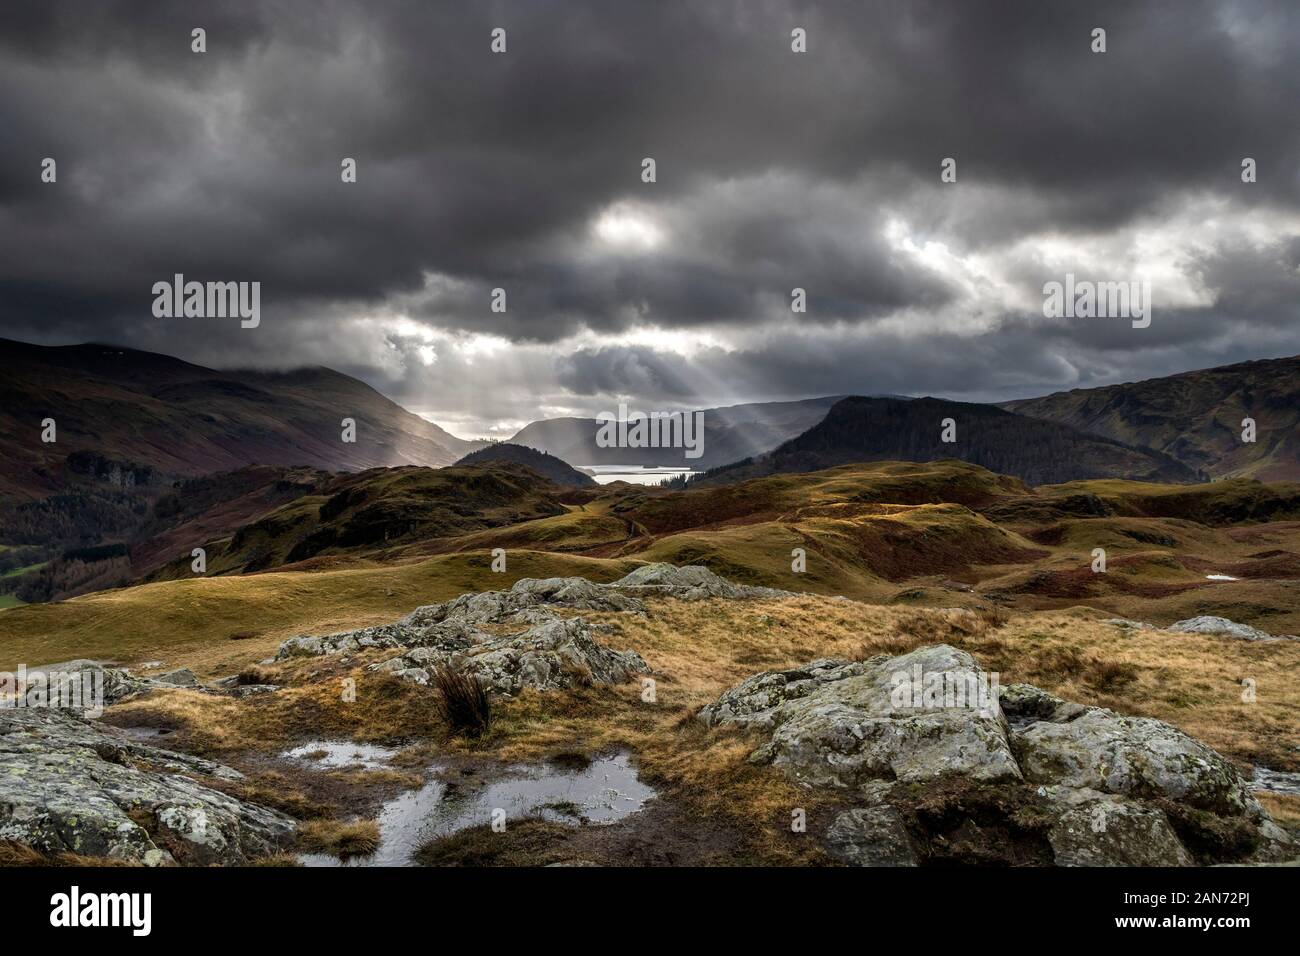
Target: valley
[[625, 632]]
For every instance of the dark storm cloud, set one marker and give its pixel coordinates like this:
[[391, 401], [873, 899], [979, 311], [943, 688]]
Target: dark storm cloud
[[774, 171]]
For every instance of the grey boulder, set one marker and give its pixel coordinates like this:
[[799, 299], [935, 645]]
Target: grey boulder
[[1082, 785], [844, 724], [66, 785]]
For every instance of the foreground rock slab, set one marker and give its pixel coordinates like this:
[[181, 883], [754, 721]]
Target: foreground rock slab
[[68, 786], [945, 765], [842, 724]]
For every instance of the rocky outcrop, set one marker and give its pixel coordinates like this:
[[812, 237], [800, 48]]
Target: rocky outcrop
[[547, 652], [549, 656], [1205, 624], [119, 684], [1089, 828], [937, 755], [68, 785], [1096, 749], [690, 583], [1208, 624], [529, 602], [841, 724]]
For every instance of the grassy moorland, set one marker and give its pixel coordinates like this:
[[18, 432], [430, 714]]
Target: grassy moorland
[[945, 534], [906, 544]]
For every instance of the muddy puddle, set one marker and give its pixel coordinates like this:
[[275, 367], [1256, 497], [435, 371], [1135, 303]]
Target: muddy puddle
[[605, 790]]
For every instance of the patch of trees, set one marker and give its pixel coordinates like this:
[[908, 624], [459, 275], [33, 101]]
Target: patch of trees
[[119, 474], [67, 577], [76, 518]]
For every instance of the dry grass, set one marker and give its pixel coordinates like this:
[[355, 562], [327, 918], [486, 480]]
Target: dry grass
[[1284, 808], [385, 710], [18, 854], [190, 623], [697, 650], [339, 838], [463, 702]]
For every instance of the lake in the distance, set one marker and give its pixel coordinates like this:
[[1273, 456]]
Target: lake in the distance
[[635, 474]]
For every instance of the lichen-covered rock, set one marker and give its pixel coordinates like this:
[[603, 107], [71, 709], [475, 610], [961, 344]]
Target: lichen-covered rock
[[115, 683], [871, 836], [549, 656], [400, 634], [1208, 624], [1100, 829], [181, 677], [1079, 785], [844, 725], [1098, 749], [67, 785], [1024, 704], [756, 700]]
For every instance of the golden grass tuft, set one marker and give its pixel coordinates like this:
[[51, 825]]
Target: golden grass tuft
[[339, 838]]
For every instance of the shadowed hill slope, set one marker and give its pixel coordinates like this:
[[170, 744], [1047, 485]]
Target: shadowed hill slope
[[380, 511], [134, 416], [1195, 417], [884, 429]]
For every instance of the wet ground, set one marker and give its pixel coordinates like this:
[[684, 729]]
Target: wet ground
[[456, 798], [331, 755]]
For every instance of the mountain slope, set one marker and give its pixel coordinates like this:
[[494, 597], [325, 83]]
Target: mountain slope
[[730, 434], [1195, 417], [884, 429], [130, 412], [548, 466]]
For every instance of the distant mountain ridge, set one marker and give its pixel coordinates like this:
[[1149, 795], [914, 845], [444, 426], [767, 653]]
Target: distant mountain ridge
[[1195, 417], [730, 434], [141, 411], [882, 429]]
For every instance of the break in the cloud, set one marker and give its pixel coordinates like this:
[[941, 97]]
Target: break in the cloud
[[775, 170]]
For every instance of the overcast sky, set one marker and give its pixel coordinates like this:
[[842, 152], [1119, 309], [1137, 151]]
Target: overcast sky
[[775, 169]]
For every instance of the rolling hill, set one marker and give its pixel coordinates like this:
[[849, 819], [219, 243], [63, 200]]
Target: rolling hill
[[1195, 417], [374, 514], [883, 429], [548, 466]]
